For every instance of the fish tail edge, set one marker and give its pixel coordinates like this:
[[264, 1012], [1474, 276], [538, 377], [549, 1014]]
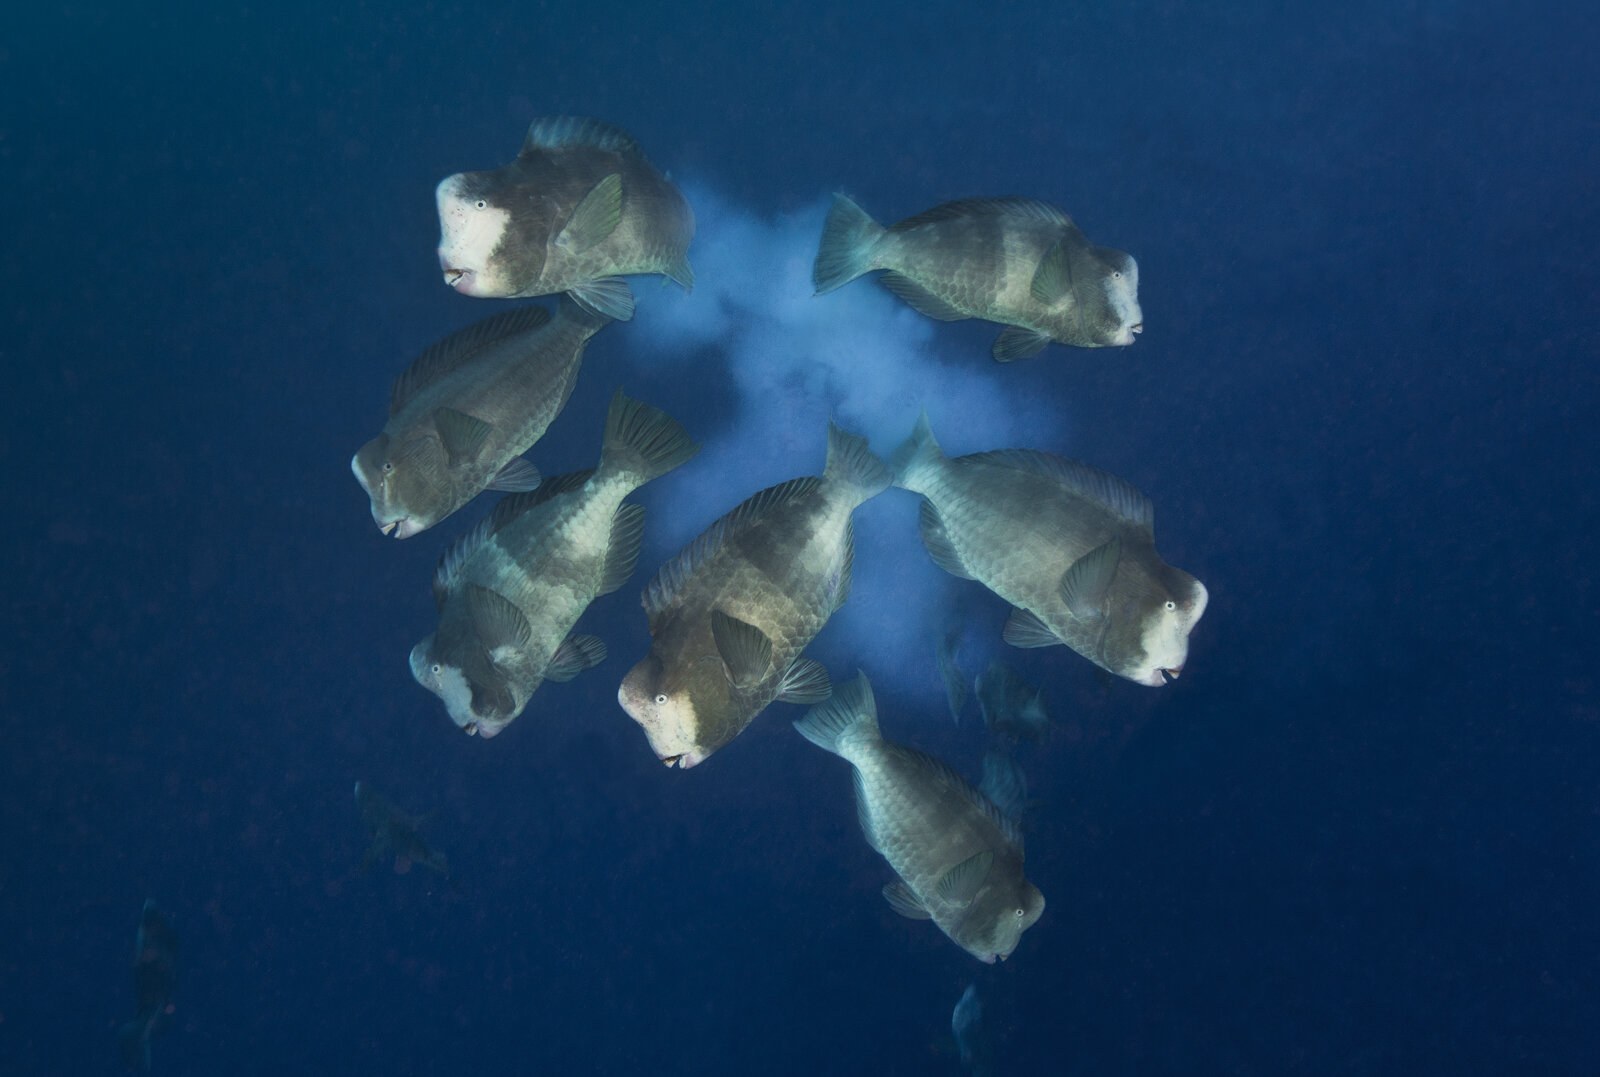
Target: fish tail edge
[[848, 237], [643, 440], [849, 715]]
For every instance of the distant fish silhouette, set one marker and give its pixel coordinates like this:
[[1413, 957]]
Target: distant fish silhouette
[[972, 1036], [391, 829], [155, 975]]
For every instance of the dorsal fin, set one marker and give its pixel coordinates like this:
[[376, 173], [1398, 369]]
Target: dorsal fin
[[448, 354], [572, 132], [1027, 208], [1111, 493], [671, 577]]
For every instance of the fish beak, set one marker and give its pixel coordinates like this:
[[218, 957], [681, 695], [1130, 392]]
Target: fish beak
[[1170, 675], [470, 729], [1137, 327], [452, 275], [388, 527], [671, 760]]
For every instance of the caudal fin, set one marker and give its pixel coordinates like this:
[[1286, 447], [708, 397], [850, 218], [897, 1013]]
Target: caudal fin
[[848, 237], [849, 717], [853, 464], [643, 441], [916, 457]]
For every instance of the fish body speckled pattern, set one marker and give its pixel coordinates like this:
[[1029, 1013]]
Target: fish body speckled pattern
[[466, 409], [509, 592], [579, 207], [1016, 261], [1071, 547], [730, 615], [958, 856]]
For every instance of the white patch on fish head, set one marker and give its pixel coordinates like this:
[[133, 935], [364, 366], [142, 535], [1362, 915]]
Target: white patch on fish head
[[666, 714], [454, 689], [470, 229], [995, 921], [1121, 284], [1165, 636]]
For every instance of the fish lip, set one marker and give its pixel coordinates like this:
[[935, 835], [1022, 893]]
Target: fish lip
[[454, 276], [671, 760], [1169, 675], [1136, 327], [388, 527]]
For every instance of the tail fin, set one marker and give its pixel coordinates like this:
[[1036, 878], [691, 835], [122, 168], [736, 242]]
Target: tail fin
[[644, 441], [848, 236], [852, 463], [849, 717], [911, 461]]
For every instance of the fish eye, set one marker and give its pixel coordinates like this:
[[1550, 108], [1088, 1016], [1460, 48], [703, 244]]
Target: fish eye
[[388, 466], [481, 204], [1020, 914], [436, 668], [1171, 605], [661, 700]]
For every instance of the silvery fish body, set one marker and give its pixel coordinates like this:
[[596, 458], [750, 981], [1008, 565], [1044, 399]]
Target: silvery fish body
[[730, 614], [1072, 548], [466, 409], [510, 591], [1015, 261], [580, 207], [959, 858]]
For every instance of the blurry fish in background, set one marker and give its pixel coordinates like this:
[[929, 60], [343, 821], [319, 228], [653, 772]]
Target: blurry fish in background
[[509, 592], [958, 856], [1011, 707], [1004, 784], [731, 613], [955, 682], [1071, 547], [391, 830], [155, 977], [579, 208], [972, 1035], [1014, 261], [466, 409]]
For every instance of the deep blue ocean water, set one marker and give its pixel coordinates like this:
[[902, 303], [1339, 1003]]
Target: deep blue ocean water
[[1360, 836]]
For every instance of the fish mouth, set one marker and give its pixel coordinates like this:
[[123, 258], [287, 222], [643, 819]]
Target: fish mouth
[[1136, 327], [671, 760], [1170, 675], [453, 276], [388, 527]]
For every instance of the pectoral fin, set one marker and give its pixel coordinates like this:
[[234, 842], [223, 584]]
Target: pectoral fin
[[1024, 629], [1053, 279], [576, 654], [596, 217], [962, 882], [496, 619], [746, 651], [1018, 343], [805, 682], [904, 902], [517, 477], [1086, 583], [462, 434]]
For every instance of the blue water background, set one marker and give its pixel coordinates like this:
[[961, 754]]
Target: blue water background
[[1361, 835]]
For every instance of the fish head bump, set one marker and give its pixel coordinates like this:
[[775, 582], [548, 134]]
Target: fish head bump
[[478, 697], [1116, 314], [493, 233], [406, 482], [994, 922], [663, 706], [1157, 643]]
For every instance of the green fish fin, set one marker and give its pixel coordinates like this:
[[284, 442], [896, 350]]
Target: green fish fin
[[1104, 489], [642, 440], [845, 252], [904, 901], [681, 274], [962, 882], [1024, 629], [462, 434], [443, 357], [668, 583], [576, 654], [517, 477], [745, 649], [937, 540], [595, 218], [806, 682], [622, 552], [964, 208], [863, 809], [920, 299], [1052, 281], [496, 619], [1085, 584], [1014, 343], [608, 297], [573, 132]]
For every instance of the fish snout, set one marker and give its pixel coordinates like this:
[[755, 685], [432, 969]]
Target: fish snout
[[1170, 675]]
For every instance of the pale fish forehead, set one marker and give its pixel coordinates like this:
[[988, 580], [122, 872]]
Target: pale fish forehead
[[445, 681], [668, 722], [469, 231]]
